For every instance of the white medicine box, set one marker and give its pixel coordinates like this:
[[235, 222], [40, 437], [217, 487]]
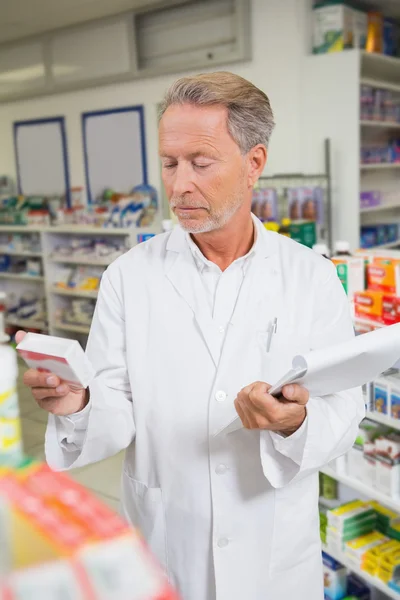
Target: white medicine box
[[63, 357]]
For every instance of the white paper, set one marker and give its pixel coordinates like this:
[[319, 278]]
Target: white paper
[[343, 366], [350, 364]]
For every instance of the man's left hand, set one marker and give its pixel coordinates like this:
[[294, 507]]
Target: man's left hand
[[259, 410]]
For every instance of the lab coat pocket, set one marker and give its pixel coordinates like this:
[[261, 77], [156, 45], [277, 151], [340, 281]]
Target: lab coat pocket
[[295, 539], [143, 507]]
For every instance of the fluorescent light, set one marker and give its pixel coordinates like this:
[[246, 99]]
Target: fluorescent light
[[22, 74]]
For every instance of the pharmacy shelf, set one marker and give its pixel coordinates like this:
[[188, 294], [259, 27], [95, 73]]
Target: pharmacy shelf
[[383, 419], [26, 323], [21, 253], [99, 231], [366, 490], [368, 322], [22, 277], [380, 208], [76, 260], [380, 84], [369, 579], [381, 67], [50, 238], [69, 327], [375, 166], [76, 293], [21, 229], [380, 124], [389, 245]]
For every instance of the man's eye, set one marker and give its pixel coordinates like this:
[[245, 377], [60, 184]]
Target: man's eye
[[201, 166], [169, 166]]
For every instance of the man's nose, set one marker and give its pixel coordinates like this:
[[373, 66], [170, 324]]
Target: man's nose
[[182, 182]]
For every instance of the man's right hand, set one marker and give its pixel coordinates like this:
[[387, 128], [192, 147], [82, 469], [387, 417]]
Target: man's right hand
[[51, 393]]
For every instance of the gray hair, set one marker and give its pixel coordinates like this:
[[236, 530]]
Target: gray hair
[[250, 117]]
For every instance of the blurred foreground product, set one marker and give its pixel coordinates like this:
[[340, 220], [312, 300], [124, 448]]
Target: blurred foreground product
[[10, 426], [58, 541]]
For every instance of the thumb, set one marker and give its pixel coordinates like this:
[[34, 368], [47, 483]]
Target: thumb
[[19, 336]]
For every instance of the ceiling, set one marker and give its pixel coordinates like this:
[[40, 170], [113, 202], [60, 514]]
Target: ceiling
[[22, 18]]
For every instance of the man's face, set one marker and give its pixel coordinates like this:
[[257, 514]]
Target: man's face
[[203, 170]]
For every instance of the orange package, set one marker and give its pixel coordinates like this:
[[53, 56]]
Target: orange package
[[383, 275], [369, 305]]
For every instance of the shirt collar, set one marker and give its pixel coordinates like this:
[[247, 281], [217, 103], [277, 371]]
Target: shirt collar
[[202, 262]]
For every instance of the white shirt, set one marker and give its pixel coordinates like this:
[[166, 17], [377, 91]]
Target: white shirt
[[222, 287]]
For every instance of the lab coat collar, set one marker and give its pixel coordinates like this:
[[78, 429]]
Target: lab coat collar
[[182, 271], [266, 242]]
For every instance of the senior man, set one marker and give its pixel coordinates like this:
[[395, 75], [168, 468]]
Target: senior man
[[190, 329]]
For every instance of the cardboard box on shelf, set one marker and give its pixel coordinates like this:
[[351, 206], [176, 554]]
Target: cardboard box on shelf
[[369, 305], [383, 275], [335, 578], [351, 272], [387, 452]]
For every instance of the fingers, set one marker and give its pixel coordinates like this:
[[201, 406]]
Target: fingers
[[35, 379], [42, 393], [296, 393], [19, 336]]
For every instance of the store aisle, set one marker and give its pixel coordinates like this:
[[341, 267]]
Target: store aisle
[[103, 478]]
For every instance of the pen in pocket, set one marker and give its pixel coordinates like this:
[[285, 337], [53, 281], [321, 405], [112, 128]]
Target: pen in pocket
[[271, 330]]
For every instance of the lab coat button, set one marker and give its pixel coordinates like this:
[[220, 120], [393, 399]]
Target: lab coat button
[[221, 329], [222, 543], [220, 396], [221, 469]]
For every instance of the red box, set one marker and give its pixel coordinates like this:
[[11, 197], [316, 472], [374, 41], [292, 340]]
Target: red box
[[390, 309]]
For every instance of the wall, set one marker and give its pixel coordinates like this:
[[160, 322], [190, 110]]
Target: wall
[[280, 42]]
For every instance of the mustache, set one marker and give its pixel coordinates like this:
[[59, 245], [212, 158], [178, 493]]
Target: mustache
[[183, 202]]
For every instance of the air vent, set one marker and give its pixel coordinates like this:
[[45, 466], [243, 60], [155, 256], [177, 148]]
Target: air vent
[[202, 33]]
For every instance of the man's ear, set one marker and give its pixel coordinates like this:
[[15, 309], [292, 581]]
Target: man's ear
[[257, 158]]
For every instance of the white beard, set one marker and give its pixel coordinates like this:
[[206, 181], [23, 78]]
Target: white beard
[[213, 221]]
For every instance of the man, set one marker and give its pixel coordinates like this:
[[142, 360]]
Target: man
[[190, 329]]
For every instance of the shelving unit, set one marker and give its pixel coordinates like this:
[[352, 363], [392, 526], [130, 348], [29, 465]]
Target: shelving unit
[[384, 419], [56, 298], [381, 208], [70, 327], [369, 579], [368, 322], [389, 245], [76, 293], [362, 488], [377, 166], [27, 323], [20, 253], [22, 277], [332, 110], [71, 260], [380, 124]]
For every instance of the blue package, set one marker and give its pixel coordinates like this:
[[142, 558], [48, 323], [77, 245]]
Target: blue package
[[5, 262], [142, 237], [150, 192], [357, 588], [381, 234], [369, 236], [389, 37], [392, 231]]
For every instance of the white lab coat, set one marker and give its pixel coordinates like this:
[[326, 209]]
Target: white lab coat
[[229, 516]]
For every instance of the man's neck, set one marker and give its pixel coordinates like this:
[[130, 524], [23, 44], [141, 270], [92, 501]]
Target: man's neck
[[223, 246]]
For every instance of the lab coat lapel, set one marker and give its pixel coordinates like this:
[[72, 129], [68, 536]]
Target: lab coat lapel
[[184, 275]]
